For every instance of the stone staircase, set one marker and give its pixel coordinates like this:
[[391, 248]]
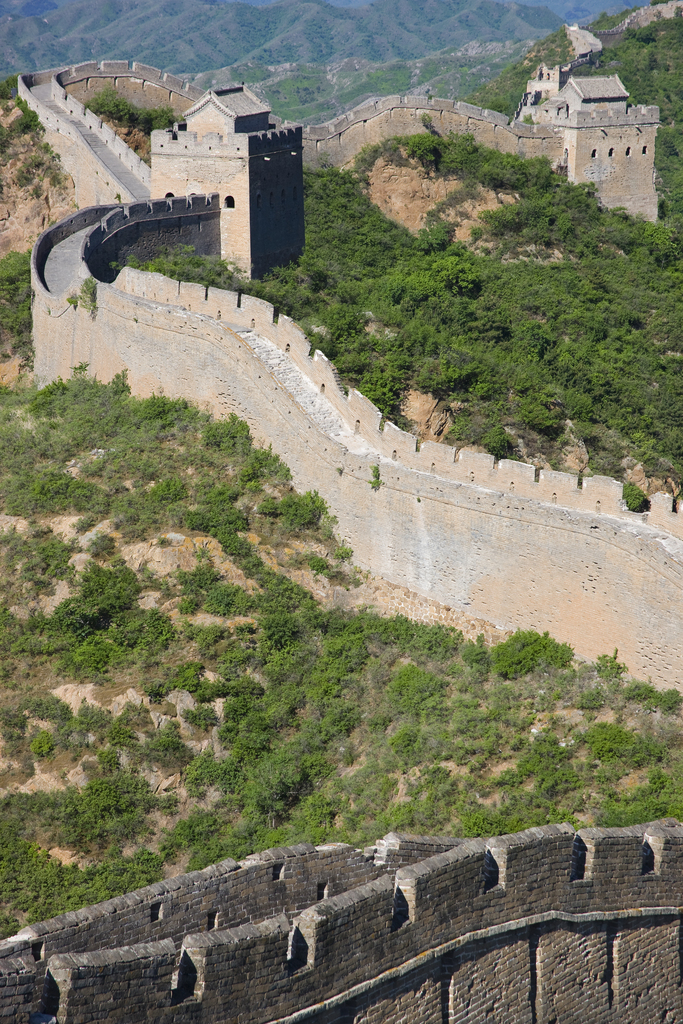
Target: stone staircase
[[137, 188], [303, 390]]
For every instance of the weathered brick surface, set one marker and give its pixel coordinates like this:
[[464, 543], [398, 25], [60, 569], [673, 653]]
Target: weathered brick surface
[[17, 983], [519, 928]]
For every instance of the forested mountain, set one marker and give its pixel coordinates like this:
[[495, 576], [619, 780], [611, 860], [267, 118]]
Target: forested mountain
[[192, 36]]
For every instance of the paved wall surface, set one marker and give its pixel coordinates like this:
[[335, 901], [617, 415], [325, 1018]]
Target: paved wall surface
[[485, 539], [103, 167]]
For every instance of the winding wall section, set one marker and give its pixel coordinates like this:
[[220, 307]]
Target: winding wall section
[[103, 167], [461, 535]]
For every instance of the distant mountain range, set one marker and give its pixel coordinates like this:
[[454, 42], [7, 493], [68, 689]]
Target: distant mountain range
[[313, 93], [197, 35]]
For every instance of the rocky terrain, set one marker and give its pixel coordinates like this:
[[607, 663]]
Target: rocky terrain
[[35, 190]]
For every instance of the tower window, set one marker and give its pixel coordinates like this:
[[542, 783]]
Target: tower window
[[282, 197], [271, 198], [594, 154], [611, 153], [628, 151], [644, 150], [258, 201], [229, 203], [169, 195]]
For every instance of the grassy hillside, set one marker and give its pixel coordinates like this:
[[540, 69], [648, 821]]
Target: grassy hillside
[[154, 719], [193, 35], [556, 310]]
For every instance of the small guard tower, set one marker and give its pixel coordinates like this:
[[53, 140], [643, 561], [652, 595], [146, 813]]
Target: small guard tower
[[228, 143]]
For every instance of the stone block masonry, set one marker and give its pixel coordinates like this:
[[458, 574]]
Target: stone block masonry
[[542, 926]]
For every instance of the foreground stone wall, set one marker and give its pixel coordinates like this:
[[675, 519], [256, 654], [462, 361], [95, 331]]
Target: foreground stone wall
[[541, 926], [486, 539]]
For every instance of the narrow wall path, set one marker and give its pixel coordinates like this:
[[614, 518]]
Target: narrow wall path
[[137, 188]]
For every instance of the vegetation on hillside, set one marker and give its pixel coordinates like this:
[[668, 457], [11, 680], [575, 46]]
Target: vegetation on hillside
[[560, 311], [29, 165], [268, 718], [259, 715], [133, 124]]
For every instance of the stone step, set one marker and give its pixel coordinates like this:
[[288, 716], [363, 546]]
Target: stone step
[[303, 390]]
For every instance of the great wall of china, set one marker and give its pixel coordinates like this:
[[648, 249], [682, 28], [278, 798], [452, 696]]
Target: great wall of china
[[454, 537], [543, 926]]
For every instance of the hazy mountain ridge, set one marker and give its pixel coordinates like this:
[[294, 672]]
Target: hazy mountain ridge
[[193, 36], [313, 94]]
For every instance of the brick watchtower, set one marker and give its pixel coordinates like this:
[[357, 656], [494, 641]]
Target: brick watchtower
[[229, 144], [607, 140]]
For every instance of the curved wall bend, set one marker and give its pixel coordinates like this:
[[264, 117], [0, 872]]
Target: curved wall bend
[[465, 534]]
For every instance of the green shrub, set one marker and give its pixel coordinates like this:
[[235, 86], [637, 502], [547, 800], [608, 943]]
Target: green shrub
[[612, 743], [497, 442], [477, 657], [302, 511], [592, 699], [525, 650], [636, 500], [230, 436], [43, 744], [166, 747], [412, 691], [609, 667], [202, 717]]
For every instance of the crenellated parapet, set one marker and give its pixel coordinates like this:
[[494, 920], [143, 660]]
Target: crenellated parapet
[[539, 920]]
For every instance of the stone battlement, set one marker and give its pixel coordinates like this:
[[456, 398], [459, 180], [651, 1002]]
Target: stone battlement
[[185, 143], [639, 19], [331, 933], [114, 70]]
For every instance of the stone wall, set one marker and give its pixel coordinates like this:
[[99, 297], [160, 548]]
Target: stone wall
[[145, 229], [142, 85], [95, 183], [541, 926], [339, 141], [638, 19], [58, 98], [487, 539]]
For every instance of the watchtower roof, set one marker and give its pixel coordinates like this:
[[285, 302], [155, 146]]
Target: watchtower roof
[[232, 101], [608, 88]]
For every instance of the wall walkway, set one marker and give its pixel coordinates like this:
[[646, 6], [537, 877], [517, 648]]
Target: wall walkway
[[339, 141], [103, 167]]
